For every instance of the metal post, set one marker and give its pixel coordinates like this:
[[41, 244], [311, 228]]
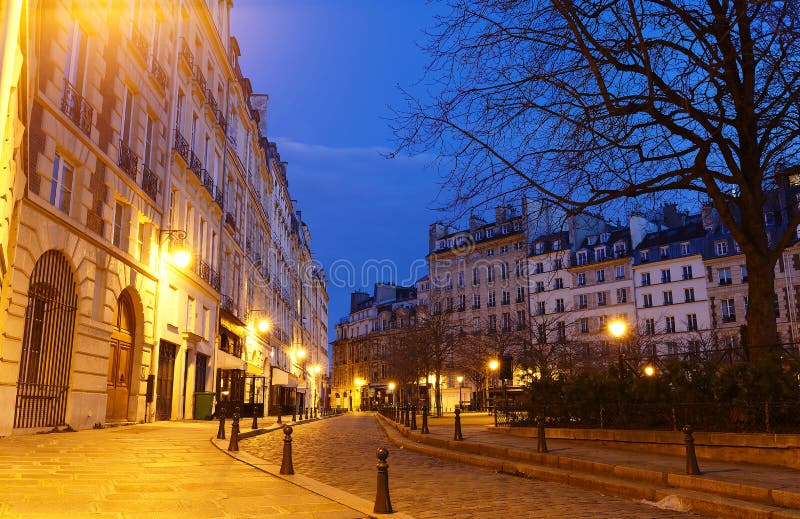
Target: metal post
[[383, 503], [233, 446], [541, 445], [457, 435], [414, 418], [691, 457], [602, 417], [425, 429], [255, 416], [406, 417], [307, 409], [221, 431], [286, 463], [294, 412]]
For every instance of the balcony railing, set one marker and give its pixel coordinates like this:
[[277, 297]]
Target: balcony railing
[[140, 42], [212, 101], [200, 79], [219, 199], [75, 106], [210, 275], [186, 54], [227, 304], [181, 146], [221, 120], [208, 182], [150, 183], [195, 165], [230, 220], [158, 73], [128, 161]]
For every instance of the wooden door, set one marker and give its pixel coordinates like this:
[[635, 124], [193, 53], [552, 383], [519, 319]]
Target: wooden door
[[164, 380], [119, 362]]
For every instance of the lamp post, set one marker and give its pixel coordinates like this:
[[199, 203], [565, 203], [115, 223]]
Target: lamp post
[[315, 369], [618, 328], [359, 382], [181, 256], [493, 365], [460, 380]]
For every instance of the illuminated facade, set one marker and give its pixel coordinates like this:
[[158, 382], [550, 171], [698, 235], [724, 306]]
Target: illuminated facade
[[142, 139]]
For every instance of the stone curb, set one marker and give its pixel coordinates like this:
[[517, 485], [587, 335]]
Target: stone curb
[[609, 479], [312, 485]]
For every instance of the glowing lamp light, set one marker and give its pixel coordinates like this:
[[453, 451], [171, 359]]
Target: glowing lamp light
[[263, 325], [460, 379], [493, 365], [391, 386], [181, 257], [301, 354], [649, 370], [617, 328]]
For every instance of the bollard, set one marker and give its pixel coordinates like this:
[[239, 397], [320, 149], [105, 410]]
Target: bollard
[[691, 457], [307, 413], [221, 431], [495, 416], [280, 412], [602, 417], [541, 445], [294, 413], [233, 446], [413, 418], [255, 417], [383, 503], [406, 417], [425, 429], [457, 435], [286, 463]]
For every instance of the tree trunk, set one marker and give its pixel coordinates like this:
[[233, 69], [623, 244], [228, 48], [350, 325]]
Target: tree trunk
[[438, 390], [760, 340]]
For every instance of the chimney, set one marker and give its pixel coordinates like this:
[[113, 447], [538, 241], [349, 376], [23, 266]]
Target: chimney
[[435, 231], [709, 216], [639, 226], [500, 214], [259, 104]]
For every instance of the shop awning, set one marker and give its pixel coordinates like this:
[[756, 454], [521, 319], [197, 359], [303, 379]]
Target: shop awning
[[228, 361], [283, 378]]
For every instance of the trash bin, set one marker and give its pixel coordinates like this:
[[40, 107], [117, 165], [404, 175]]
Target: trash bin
[[203, 404]]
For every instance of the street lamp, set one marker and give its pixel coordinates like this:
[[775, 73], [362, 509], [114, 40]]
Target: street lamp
[[618, 328], [181, 255], [315, 369], [493, 365], [649, 370], [360, 382], [460, 380]]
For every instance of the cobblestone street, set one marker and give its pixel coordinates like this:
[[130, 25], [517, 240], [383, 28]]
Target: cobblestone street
[[341, 452]]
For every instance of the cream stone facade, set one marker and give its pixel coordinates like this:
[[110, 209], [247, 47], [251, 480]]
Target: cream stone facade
[[143, 139]]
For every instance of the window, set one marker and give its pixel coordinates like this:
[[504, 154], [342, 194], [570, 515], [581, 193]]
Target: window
[[728, 311], [518, 268], [60, 184], [448, 304], [604, 237], [724, 276], [619, 250], [538, 247], [126, 128], [583, 324], [461, 279], [462, 302], [666, 276], [600, 254], [602, 299], [437, 307], [505, 321], [721, 247], [643, 256], [120, 225], [539, 268], [503, 249], [520, 319], [490, 302], [539, 286], [663, 251], [600, 275], [476, 301], [505, 298], [492, 323], [743, 270], [581, 258], [476, 324], [140, 242], [490, 273], [556, 244], [561, 331], [688, 295], [504, 271], [691, 322], [685, 249], [540, 308], [622, 295], [520, 294], [602, 321], [649, 327], [647, 300], [558, 264], [476, 279], [541, 332], [147, 157], [646, 279], [669, 324], [558, 283], [619, 272], [559, 305], [490, 252], [583, 301], [687, 271], [581, 279], [75, 67], [668, 297]]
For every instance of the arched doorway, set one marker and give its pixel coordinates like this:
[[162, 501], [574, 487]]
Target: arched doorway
[[46, 358], [119, 360]]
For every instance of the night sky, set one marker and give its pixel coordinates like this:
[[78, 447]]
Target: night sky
[[331, 69]]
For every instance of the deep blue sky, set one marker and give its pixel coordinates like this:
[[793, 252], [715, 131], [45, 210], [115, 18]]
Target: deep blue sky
[[330, 69]]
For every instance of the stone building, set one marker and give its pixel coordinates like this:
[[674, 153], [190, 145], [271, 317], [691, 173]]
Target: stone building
[[143, 141]]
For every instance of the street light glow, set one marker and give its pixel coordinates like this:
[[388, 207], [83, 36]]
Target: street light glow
[[460, 379], [649, 370], [391, 386], [493, 365], [263, 325], [182, 257], [618, 328]]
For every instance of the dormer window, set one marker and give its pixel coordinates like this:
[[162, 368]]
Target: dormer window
[[600, 254], [538, 247], [581, 257], [664, 251], [479, 235], [644, 256], [591, 240], [556, 244], [517, 226], [605, 237], [489, 233], [619, 250]]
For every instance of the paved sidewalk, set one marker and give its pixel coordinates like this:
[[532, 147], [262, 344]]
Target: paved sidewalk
[[158, 470]]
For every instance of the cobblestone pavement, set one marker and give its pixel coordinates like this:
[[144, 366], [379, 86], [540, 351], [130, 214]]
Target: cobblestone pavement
[[341, 452], [163, 470]]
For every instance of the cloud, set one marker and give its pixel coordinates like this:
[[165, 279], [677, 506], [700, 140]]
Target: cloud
[[289, 146]]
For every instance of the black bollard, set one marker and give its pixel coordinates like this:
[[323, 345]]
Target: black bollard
[[255, 417], [383, 503], [541, 445], [286, 463], [457, 435], [233, 446], [691, 457], [414, 418], [280, 412], [425, 429], [406, 417], [307, 410], [294, 413], [221, 431]]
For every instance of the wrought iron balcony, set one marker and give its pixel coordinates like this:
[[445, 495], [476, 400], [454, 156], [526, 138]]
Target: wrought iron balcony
[[219, 199], [230, 220], [221, 119], [75, 106], [151, 184], [208, 182], [140, 42], [210, 275], [186, 54], [212, 101], [128, 160], [227, 305], [200, 79], [195, 165], [158, 73], [181, 146]]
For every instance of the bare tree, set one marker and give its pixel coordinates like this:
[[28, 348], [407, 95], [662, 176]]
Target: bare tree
[[438, 338], [594, 101]]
